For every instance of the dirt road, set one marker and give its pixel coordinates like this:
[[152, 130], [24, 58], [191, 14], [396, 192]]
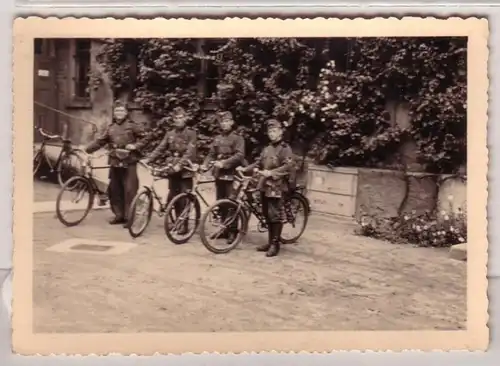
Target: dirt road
[[331, 280]]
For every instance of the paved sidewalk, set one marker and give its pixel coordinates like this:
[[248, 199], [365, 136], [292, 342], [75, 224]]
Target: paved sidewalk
[[330, 280], [45, 191]]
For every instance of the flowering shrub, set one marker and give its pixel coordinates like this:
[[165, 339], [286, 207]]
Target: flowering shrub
[[436, 229]]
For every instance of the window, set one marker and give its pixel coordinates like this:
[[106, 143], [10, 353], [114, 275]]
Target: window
[[212, 77], [82, 69], [210, 71], [134, 73]]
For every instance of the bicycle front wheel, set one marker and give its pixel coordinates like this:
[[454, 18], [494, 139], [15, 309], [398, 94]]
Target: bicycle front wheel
[[140, 212], [228, 217], [75, 197], [182, 217], [71, 164]]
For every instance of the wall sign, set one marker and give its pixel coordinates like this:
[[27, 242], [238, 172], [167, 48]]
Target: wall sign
[[44, 73]]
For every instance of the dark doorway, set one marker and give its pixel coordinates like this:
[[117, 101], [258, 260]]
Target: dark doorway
[[45, 87]]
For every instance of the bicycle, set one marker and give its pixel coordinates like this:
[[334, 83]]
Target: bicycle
[[64, 160], [244, 203], [81, 184], [146, 196], [189, 200]]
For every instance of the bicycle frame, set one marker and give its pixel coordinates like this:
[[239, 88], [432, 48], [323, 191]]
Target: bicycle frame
[[88, 174], [197, 183], [157, 198], [245, 200]]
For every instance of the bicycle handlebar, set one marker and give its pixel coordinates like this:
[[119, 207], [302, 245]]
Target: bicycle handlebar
[[47, 135], [242, 176], [192, 167], [153, 169]]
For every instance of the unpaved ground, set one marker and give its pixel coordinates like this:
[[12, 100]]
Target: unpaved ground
[[331, 280]]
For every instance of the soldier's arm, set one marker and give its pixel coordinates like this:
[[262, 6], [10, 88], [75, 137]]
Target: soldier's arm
[[238, 156], [99, 143], [211, 154], [286, 160], [160, 148], [255, 164], [190, 153]]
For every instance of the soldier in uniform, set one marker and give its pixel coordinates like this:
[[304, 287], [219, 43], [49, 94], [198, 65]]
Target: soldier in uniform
[[276, 162], [124, 134], [228, 151], [180, 144]]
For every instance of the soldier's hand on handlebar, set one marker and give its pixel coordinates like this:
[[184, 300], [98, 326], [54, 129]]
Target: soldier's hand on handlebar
[[218, 164], [130, 147], [177, 168], [266, 173]]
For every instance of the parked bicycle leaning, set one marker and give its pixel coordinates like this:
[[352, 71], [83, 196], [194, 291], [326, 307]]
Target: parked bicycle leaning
[[125, 139]]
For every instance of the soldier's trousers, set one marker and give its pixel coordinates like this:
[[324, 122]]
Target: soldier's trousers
[[273, 210], [178, 185], [224, 189], [123, 186]]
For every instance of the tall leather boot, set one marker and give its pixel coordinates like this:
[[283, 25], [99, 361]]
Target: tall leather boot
[[265, 247], [274, 248]]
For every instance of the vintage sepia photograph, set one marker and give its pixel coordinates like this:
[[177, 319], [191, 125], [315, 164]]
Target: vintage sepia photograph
[[226, 184]]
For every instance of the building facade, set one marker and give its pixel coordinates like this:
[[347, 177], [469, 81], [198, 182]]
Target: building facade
[[67, 101]]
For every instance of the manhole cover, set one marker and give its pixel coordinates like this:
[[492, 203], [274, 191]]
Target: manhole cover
[[94, 247], [91, 247]]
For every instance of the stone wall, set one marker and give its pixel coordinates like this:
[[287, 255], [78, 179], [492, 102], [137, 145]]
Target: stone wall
[[354, 192]]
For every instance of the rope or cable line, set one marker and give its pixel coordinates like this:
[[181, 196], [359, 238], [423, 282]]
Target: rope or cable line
[[66, 114]]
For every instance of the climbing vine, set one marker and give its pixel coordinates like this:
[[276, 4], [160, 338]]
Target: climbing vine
[[332, 92]]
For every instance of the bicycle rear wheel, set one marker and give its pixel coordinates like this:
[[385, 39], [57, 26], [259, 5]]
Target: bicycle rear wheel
[[297, 218], [71, 164], [81, 187], [37, 162], [140, 212], [236, 217], [181, 227]]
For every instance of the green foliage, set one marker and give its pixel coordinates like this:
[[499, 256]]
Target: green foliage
[[333, 93]]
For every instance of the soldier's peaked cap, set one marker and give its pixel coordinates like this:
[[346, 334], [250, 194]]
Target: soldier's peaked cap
[[274, 123], [226, 115], [119, 103]]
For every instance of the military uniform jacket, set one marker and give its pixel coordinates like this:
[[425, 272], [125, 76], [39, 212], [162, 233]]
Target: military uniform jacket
[[229, 149], [180, 146], [117, 136], [277, 158]]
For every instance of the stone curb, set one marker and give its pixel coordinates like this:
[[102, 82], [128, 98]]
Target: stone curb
[[50, 206], [459, 252]]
